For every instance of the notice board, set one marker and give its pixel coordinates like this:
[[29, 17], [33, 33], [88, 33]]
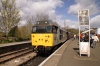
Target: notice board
[[85, 48]]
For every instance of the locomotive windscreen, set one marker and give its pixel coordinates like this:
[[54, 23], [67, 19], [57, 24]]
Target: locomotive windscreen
[[41, 29]]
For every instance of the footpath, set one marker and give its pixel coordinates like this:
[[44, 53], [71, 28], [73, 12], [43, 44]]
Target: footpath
[[71, 56]]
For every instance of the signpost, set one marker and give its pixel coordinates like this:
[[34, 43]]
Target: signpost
[[83, 18]]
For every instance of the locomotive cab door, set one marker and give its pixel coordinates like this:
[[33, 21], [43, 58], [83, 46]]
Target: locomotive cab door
[[56, 34]]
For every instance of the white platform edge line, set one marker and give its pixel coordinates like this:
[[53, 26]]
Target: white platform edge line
[[57, 54], [51, 55]]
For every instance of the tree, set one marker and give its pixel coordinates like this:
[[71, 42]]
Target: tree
[[17, 32], [14, 32], [26, 30], [73, 30], [23, 30], [9, 15], [42, 17], [30, 20]]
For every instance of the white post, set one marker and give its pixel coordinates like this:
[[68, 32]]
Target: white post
[[83, 15]]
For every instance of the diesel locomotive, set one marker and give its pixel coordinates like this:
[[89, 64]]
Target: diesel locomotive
[[46, 35]]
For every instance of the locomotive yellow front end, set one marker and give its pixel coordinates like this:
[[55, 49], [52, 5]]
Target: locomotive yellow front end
[[42, 39], [42, 36]]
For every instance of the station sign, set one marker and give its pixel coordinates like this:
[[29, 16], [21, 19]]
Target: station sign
[[83, 17]]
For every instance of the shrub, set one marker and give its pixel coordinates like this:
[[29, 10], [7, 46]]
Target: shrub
[[5, 41]]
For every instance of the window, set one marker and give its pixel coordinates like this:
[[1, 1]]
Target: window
[[49, 28], [42, 29], [55, 28], [34, 29]]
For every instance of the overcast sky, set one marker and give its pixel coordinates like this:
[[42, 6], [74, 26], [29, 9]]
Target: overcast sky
[[61, 10]]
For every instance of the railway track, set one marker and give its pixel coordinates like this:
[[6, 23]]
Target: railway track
[[35, 61], [16, 58], [39, 58], [22, 57]]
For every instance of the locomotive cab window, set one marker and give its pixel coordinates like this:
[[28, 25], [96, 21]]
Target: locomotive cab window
[[42, 29], [33, 29], [49, 28], [55, 29]]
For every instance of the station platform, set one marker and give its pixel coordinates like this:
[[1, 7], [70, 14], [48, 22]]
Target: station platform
[[14, 43], [71, 56], [68, 55]]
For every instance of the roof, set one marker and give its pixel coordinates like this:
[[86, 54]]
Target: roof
[[87, 31], [43, 23]]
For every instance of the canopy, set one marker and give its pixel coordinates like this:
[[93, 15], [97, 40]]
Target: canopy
[[87, 31]]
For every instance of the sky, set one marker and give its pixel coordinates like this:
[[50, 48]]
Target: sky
[[61, 10]]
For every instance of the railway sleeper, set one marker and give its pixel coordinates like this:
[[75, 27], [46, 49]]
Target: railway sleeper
[[12, 56], [20, 60], [9, 53]]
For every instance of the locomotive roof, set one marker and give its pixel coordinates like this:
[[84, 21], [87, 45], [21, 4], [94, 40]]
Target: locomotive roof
[[44, 23], [47, 23]]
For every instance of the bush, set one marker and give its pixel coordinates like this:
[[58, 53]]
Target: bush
[[10, 39], [1, 39], [19, 39], [5, 41]]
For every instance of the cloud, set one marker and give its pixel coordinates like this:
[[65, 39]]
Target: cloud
[[21, 3], [68, 23], [92, 5], [46, 6], [95, 21], [71, 23], [34, 7], [22, 14], [22, 23]]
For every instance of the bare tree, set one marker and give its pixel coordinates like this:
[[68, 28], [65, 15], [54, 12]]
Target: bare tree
[[30, 22], [42, 17], [27, 29], [9, 15]]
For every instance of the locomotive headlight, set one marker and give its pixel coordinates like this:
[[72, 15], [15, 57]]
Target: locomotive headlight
[[45, 22], [38, 22]]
